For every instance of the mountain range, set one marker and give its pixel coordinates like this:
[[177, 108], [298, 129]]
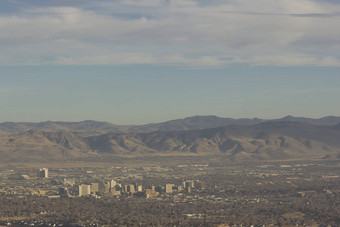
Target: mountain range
[[234, 139], [91, 128]]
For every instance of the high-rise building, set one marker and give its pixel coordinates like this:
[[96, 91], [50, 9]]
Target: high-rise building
[[84, 190], [113, 183], [168, 188], [139, 188], [94, 187], [131, 188], [43, 173]]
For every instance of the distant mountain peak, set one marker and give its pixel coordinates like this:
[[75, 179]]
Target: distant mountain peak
[[90, 127]]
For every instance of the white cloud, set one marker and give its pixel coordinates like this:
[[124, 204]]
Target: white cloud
[[257, 32], [110, 59], [289, 60]]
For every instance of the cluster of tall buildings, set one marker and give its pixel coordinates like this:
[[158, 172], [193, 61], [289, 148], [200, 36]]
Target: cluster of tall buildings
[[97, 188], [186, 186], [113, 188]]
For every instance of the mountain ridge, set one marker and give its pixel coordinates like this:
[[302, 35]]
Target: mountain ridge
[[271, 140], [35, 145], [90, 127], [290, 139]]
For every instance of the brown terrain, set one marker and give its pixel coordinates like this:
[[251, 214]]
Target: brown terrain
[[268, 140]]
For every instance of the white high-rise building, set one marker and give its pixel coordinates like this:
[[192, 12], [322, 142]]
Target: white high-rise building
[[84, 190], [131, 188], [43, 173], [140, 188], [113, 183], [168, 188]]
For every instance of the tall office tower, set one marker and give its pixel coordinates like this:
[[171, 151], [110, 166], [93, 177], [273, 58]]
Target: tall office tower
[[132, 188], [192, 183], [140, 188], [168, 188], [113, 183], [84, 190], [94, 187], [43, 173]]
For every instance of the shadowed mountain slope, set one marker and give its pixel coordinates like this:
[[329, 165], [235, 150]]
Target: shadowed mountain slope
[[270, 140], [273, 140]]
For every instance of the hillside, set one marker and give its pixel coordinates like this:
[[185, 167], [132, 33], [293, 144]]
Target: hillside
[[36, 145], [265, 141], [270, 140]]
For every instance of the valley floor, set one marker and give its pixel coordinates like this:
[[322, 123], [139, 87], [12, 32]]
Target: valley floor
[[205, 191]]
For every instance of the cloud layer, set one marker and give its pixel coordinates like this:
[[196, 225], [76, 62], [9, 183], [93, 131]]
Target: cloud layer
[[181, 32]]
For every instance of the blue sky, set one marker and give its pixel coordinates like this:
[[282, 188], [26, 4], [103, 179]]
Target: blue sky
[[135, 62]]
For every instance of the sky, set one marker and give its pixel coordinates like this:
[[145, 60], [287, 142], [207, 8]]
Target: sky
[[143, 61]]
